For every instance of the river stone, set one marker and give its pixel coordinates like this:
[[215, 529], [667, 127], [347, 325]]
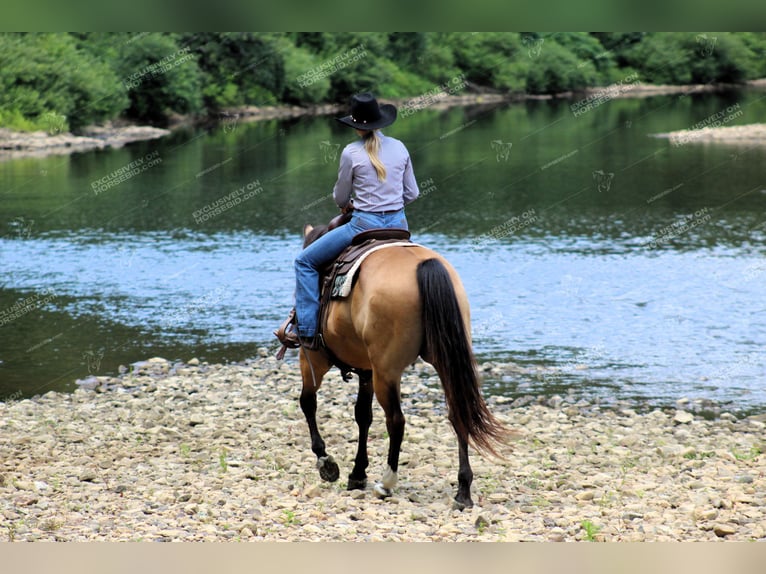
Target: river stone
[[722, 530], [633, 494], [481, 522], [312, 491], [497, 497], [705, 513], [683, 417], [25, 485], [557, 535], [87, 475]]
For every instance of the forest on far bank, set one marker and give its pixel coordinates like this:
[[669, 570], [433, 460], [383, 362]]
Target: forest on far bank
[[64, 81]]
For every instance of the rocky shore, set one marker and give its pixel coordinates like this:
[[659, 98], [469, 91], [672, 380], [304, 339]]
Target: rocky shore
[[42, 143], [193, 452], [38, 144], [750, 134]]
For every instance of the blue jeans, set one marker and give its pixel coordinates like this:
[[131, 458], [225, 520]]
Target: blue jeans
[[324, 250]]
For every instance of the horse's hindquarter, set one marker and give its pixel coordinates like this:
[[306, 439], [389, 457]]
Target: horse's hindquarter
[[380, 322]]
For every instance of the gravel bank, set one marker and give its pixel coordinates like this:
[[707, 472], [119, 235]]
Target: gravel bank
[[39, 144], [191, 452], [750, 134]]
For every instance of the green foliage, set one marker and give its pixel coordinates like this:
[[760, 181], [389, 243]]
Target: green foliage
[[699, 455], [483, 57], [685, 57], [557, 69], [43, 74], [288, 517], [306, 82], [222, 462], [590, 530], [752, 454], [58, 81], [397, 83], [404, 48], [436, 61], [238, 68], [160, 76], [13, 119], [588, 50], [755, 42], [618, 44]]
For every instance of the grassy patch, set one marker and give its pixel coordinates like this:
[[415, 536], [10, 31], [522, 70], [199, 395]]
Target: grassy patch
[[699, 455], [222, 460], [752, 454], [288, 517], [51, 525], [590, 530]]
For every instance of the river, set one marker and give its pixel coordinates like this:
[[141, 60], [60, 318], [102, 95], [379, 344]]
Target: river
[[601, 259]]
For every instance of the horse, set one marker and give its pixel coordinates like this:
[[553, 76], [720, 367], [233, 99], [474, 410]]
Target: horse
[[408, 302]]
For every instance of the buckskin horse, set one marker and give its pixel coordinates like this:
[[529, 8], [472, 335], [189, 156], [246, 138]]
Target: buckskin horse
[[408, 302]]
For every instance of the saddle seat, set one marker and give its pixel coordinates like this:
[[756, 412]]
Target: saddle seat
[[336, 280], [333, 278]]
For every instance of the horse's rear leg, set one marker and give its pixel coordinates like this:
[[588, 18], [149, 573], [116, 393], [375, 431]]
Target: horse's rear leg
[[363, 413], [387, 393], [464, 478], [313, 368]]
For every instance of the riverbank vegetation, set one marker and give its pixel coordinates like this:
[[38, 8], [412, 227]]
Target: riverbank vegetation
[[64, 81]]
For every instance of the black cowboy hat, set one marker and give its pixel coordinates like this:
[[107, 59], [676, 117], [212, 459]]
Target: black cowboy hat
[[366, 114]]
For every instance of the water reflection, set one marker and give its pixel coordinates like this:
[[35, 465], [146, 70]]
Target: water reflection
[[572, 234]]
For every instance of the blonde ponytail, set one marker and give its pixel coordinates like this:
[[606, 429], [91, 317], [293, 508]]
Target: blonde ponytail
[[372, 145]]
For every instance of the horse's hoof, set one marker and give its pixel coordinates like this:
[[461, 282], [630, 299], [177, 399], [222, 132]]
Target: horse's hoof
[[381, 491], [328, 469], [356, 483], [461, 504]]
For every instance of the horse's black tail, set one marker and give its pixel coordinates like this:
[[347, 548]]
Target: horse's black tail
[[448, 349]]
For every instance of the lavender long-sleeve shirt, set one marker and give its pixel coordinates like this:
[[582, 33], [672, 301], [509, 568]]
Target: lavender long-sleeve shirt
[[357, 176]]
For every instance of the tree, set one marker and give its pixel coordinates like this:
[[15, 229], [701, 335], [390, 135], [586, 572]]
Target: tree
[[160, 77], [239, 68], [47, 76], [685, 57], [557, 70]]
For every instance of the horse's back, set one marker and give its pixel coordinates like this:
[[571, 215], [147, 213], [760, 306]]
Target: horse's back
[[381, 320]]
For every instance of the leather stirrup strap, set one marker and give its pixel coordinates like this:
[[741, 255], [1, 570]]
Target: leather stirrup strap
[[282, 335]]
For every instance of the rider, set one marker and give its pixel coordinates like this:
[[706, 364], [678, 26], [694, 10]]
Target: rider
[[376, 172]]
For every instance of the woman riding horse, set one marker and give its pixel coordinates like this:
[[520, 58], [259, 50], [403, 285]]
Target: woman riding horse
[[377, 172], [408, 302]]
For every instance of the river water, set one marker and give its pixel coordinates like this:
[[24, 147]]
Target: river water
[[601, 259]]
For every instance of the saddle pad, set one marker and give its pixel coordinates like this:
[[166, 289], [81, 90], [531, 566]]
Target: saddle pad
[[344, 283]]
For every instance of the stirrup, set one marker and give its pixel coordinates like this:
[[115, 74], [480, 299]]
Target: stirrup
[[287, 336]]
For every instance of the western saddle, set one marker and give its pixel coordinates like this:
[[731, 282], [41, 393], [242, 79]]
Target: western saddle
[[334, 279]]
